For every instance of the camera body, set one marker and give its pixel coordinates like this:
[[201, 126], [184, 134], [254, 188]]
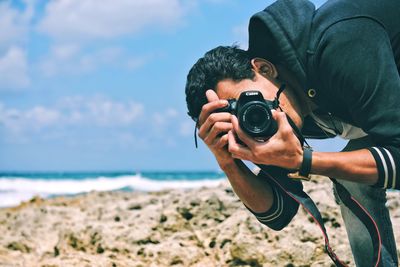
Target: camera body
[[254, 113]]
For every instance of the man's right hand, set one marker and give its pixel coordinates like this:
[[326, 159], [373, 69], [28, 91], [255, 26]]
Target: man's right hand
[[255, 193], [214, 128]]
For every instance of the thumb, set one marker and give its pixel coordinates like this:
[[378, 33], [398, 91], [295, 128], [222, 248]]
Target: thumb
[[282, 121], [211, 95]]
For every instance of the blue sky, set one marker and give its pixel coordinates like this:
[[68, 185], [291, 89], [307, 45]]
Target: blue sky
[[99, 85]]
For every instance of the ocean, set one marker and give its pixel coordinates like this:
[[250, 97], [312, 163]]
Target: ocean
[[22, 186]]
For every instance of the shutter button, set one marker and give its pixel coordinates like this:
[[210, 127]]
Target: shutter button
[[311, 92]]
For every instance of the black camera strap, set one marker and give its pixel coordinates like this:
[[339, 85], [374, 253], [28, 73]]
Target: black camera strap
[[350, 202], [358, 210], [308, 204], [195, 133]]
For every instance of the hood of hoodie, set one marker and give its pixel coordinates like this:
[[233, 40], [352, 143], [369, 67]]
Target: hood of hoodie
[[280, 34]]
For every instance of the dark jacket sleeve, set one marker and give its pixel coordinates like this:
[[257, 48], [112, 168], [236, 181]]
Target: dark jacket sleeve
[[284, 208], [356, 64]]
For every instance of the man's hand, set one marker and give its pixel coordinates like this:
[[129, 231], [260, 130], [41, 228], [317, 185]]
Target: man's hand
[[283, 149], [213, 128]]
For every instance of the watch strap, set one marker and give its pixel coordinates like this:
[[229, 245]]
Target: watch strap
[[305, 168], [304, 172]]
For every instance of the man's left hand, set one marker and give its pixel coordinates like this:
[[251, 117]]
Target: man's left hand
[[283, 149]]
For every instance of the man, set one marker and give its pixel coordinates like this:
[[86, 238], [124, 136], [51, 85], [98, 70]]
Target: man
[[341, 66]]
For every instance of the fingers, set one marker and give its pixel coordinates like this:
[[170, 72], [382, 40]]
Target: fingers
[[284, 128], [213, 103], [242, 135], [212, 119], [237, 150], [217, 128], [211, 95], [208, 108], [223, 141]]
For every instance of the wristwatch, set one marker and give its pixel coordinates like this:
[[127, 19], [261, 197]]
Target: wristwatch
[[304, 172]]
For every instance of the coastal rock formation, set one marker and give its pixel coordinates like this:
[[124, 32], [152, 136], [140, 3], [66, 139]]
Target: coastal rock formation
[[197, 227]]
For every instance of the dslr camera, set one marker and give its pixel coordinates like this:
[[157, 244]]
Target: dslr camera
[[254, 113]]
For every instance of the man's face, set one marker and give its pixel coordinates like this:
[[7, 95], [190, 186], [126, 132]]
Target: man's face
[[227, 89]]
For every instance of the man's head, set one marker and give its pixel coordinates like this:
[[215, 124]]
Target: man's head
[[218, 64], [229, 71]]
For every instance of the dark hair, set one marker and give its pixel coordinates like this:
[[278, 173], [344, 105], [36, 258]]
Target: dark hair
[[222, 62]]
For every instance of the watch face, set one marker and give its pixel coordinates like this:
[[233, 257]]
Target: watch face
[[297, 176]]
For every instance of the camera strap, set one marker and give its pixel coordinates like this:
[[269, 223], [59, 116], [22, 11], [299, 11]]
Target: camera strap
[[310, 207]]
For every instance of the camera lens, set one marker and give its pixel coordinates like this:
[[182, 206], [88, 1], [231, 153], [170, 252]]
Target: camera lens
[[256, 118], [254, 114]]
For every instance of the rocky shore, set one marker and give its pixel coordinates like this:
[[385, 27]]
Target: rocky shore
[[197, 227]]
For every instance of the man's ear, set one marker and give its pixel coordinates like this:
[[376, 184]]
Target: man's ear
[[264, 67]]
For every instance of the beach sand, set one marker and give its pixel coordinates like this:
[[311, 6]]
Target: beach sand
[[196, 227]]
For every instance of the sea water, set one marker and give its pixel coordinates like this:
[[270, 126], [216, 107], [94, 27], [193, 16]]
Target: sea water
[[16, 187]]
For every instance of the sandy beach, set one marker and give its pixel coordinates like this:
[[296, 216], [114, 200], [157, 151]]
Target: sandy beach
[[196, 227]]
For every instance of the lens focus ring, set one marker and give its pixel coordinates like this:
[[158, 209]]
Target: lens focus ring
[[255, 118]]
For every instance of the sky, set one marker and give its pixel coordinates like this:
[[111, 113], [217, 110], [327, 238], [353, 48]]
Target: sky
[[99, 85]]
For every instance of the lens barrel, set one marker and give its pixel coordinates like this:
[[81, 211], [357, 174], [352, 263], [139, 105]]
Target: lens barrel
[[255, 118]]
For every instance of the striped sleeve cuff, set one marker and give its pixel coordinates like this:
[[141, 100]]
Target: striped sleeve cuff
[[274, 212], [387, 161], [280, 214]]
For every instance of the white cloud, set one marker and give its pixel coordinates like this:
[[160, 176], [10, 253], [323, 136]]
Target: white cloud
[[42, 116], [108, 113], [65, 51], [90, 19], [187, 128], [70, 59], [14, 69], [71, 112], [75, 25], [134, 63], [161, 120], [14, 23], [17, 121], [123, 123], [99, 111]]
